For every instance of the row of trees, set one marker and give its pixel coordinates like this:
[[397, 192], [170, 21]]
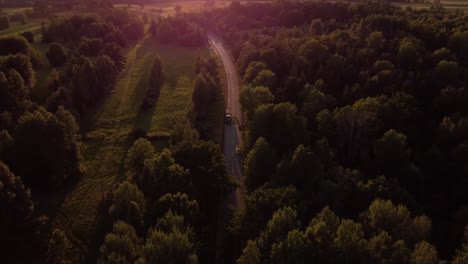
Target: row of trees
[[205, 95], [178, 30], [155, 84]]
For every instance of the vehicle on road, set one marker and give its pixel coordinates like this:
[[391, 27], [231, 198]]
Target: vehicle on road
[[228, 116], [238, 150]]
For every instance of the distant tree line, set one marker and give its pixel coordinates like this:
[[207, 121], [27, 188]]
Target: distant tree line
[[178, 29]]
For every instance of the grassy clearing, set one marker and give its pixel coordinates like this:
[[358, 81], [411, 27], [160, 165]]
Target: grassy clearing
[[175, 99], [107, 143]]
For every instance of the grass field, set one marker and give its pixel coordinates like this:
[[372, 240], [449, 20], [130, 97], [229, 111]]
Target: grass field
[[107, 143]]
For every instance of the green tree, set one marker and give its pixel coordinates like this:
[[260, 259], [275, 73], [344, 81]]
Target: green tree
[[259, 207], [376, 41], [180, 204], [169, 242], [251, 98], [156, 74], [303, 169], [140, 151], [120, 246], [22, 64], [56, 55], [392, 153], [250, 254], [128, 204], [206, 164], [259, 164], [60, 250], [105, 69], [424, 253], [4, 22], [252, 71], [292, 250], [281, 223], [280, 125], [162, 175], [457, 43], [46, 149], [18, 222], [350, 242], [265, 78]]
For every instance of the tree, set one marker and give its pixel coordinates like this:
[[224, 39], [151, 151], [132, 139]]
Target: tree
[[56, 55], [253, 69], [203, 95], [115, 52], [18, 93], [265, 78], [18, 222], [424, 253], [156, 74], [180, 204], [46, 150], [60, 249], [140, 151], [105, 69], [169, 242], [392, 153], [120, 246], [376, 41], [259, 164], [251, 98], [291, 250], [156, 80], [128, 204], [4, 22], [22, 64], [250, 254], [29, 36], [280, 125], [162, 175], [303, 169], [259, 207], [457, 42], [281, 223], [90, 47], [13, 45], [350, 242], [206, 164]]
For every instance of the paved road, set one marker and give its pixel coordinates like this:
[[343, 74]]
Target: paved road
[[232, 137]]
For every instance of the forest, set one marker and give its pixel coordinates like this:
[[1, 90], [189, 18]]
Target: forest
[[354, 128]]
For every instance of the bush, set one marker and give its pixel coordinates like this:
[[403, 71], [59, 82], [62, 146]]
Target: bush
[[13, 45], [4, 22], [28, 35], [23, 19], [56, 54]]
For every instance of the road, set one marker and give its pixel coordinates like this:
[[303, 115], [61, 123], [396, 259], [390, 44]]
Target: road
[[232, 136]]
